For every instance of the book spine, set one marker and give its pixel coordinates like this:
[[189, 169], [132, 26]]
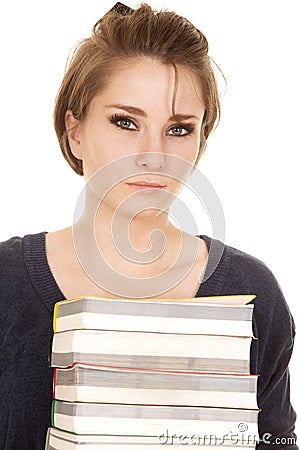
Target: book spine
[[55, 317], [54, 382], [52, 413]]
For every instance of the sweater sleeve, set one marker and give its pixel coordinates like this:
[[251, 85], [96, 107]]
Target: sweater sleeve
[[276, 332], [274, 328], [277, 417]]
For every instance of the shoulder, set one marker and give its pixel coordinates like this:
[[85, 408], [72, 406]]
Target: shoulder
[[15, 258], [10, 244], [252, 275], [251, 271], [239, 273], [11, 253], [12, 276], [13, 271], [18, 295]]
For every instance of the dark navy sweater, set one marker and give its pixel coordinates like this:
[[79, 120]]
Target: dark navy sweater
[[28, 293]]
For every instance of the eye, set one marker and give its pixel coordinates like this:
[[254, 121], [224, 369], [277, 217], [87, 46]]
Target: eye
[[181, 130], [123, 122]]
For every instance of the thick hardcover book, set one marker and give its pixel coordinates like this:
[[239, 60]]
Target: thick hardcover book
[[202, 315], [62, 440], [88, 383], [145, 420], [164, 351]]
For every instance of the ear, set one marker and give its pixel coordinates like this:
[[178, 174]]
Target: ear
[[72, 127]]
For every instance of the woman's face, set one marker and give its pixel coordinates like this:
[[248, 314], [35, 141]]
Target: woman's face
[[133, 116]]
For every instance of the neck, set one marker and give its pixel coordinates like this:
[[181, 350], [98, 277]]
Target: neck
[[139, 238]]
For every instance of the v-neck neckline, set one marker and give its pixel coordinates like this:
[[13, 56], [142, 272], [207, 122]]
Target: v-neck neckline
[[34, 247]]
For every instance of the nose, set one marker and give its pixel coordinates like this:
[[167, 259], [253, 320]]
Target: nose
[[151, 153], [151, 161]]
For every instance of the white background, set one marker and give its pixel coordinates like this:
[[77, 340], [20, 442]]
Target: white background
[[252, 160]]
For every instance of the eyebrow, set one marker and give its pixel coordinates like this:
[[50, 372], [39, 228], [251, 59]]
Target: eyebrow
[[141, 113]]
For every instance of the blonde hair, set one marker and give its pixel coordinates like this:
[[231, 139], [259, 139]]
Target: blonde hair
[[123, 34]]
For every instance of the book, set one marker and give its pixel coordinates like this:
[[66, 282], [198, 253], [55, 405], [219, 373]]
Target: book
[[201, 315], [148, 420], [143, 373], [62, 440], [88, 383], [164, 351]]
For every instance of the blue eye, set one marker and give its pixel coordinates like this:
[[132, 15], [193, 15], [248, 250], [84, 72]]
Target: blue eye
[[178, 131], [181, 130], [123, 122]]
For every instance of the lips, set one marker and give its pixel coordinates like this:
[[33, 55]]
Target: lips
[[146, 184]]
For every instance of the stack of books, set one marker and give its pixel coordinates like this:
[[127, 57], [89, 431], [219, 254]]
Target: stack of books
[[145, 373]]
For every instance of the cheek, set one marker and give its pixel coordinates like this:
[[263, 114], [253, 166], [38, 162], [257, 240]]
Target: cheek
[[195, 146], [186, 148], [109, 144]]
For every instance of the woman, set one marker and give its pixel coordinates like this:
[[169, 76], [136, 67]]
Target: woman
[[140, 91]]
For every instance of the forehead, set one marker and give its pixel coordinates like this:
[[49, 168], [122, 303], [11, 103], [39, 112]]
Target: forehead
[[149, 84]]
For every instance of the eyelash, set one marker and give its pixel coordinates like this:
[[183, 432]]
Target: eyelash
[[116, 118]]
